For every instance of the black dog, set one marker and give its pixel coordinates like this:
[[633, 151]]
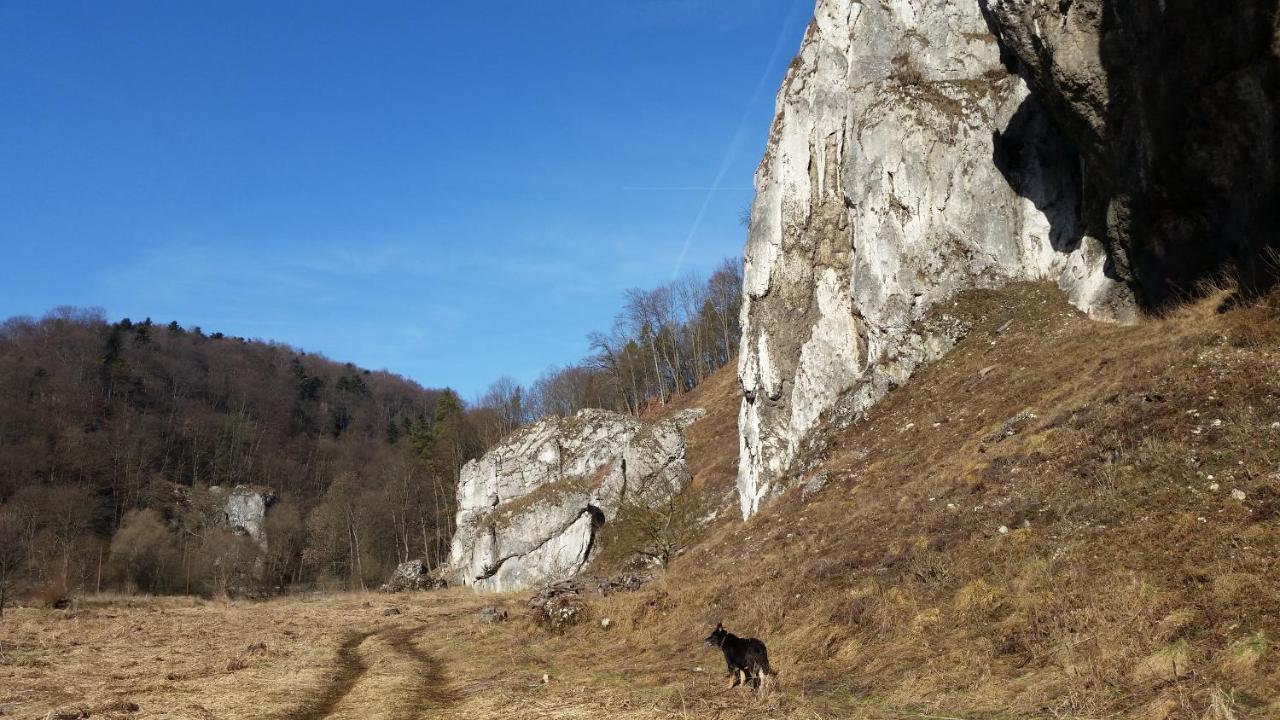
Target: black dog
[[745, 656]]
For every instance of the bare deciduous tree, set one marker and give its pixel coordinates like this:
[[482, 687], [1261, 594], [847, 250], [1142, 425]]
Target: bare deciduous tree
[[12, 555], [144, 555], [665, 341], [654, 522]]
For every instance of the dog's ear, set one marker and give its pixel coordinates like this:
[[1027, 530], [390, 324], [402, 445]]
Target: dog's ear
[[720, 626]]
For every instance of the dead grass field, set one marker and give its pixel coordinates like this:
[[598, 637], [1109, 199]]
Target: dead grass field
[[1061, 519]]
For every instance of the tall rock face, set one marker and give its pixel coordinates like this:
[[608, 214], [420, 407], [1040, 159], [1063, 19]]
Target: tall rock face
[[1173, 106], [906, 163], [528, 511]]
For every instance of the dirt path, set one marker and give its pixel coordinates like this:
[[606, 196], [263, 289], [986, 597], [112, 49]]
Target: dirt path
[[432, 689], [380, 674], [349, 668]]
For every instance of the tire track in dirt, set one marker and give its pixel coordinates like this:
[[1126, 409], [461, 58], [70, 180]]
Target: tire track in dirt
[[426, 688], [350, 668], [431, 687]]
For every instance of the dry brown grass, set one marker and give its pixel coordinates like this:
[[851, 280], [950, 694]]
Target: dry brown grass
[[1124, 587], [1118, 563], [301, 657]]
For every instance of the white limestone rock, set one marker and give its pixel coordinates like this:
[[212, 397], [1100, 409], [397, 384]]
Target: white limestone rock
[[905, 165], [245, 508], [528, 511]]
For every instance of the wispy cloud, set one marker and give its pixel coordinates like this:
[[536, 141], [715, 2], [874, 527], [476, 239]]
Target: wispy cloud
[[169, 274], [735, 143], [362, 260]]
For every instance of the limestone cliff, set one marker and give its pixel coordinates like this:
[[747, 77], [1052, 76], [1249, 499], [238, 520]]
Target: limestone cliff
[[529, 509], [906, 163], [910, 159]]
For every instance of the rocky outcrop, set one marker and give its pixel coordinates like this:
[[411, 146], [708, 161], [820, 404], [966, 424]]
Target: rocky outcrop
[[906, 164], [528, 511], [559, 606], [413, 575], [1172, 106], [245, 508]]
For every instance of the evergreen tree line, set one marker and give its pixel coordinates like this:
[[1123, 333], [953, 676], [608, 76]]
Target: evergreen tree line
[[119, 441], [663, 342]]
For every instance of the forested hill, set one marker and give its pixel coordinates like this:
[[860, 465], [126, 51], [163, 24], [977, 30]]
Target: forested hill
[[121, 441], [106, 423]]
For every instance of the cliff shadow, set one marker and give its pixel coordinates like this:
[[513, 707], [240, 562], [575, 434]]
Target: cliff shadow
[[1179, 173], [1190, 187], [1042, 166]]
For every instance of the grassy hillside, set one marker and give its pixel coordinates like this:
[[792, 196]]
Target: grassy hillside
[[1060, 519], [1046, 523]]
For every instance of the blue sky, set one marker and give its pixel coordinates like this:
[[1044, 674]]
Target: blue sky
[[449, 190]]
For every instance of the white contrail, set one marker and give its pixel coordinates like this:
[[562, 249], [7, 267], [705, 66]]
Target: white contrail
[[680, 187], [732, 151]]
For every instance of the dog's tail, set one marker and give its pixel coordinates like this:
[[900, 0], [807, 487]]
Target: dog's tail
[[768, 676], [768, 670]]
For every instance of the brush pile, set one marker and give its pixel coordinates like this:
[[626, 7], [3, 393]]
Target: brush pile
[[413, 575], [559, 605]]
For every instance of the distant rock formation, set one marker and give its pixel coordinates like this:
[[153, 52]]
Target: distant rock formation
[[528, 511], [906, 164], [245, 508]]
